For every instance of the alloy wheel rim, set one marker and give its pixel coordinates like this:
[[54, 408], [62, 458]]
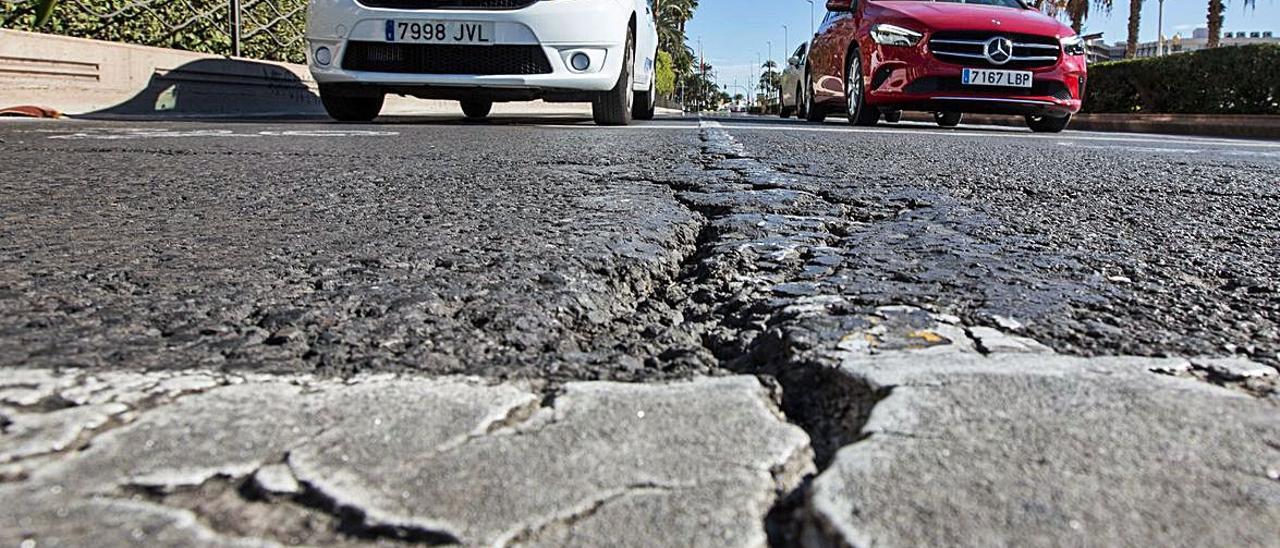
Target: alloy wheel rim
[[853, 86], [808, 96], [631, 81]]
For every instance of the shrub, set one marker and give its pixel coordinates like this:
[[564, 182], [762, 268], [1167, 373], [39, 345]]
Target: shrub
[[272, 29], [666, 75], [1227, 80]]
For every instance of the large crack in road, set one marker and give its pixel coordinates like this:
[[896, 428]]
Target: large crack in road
[[745, 297]]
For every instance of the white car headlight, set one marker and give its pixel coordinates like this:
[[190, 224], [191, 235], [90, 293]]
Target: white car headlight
[[893, 35], [1073, 45]]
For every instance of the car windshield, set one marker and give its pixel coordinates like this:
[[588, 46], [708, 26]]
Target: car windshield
[[1005, 3]]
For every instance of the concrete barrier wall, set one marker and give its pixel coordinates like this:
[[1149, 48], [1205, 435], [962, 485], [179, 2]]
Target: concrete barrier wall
[[93, 78]]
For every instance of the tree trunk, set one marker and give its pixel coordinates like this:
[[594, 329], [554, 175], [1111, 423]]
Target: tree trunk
[[1135, 17], [1215, 23], [1077, 22]]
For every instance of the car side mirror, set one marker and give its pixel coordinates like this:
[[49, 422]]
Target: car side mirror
[[794, 61], [839, 5]]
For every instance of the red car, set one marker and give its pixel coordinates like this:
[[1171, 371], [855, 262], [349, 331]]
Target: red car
[[874, 58]]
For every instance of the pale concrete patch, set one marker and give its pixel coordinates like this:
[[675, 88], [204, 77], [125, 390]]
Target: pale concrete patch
[[689, 463], [1044, 450], [647, 455], [32, 434]]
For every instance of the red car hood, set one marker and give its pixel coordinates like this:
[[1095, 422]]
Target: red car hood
[[937, 16]]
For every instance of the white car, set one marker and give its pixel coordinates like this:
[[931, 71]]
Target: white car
[[479, 52], [793, 83]]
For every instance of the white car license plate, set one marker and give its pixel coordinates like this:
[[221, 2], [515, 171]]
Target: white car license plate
[[419, 31], [988, 77]]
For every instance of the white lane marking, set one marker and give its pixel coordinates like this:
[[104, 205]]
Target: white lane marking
[[593, 126], [707, 124], [114, 134], [328, 133], [1130, 148], [1006, 135], [1167, 150]]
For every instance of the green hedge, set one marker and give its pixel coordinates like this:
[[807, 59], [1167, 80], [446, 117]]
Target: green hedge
[[1227, 80], [192, 25]]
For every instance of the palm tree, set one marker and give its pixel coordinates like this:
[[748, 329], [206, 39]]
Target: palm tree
[[671, 16], [1075, 10], [1135, 16], [44, 10], [1216, 7]]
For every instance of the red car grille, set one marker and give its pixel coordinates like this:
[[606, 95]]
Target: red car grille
[[967, 48], [445, 59]]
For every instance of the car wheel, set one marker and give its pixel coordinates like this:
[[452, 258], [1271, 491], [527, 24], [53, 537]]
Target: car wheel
[[613, 107], [345, 107], [646, 102], [1048, 124], [813, 112], [476, 110], [802, 103], [947, 119], [785, 112], [859, 112]]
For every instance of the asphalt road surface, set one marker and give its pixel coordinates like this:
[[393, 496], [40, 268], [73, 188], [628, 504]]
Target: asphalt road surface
[[554, 248], [825, 335]]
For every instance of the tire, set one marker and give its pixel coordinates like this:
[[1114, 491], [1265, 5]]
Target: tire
[[893, 116], [476, 109], [947, 119], [351, 108], [858, 111], [613, 107], [1048, 124], [813, 112], [786, 112], [646, 102], [800, 102]]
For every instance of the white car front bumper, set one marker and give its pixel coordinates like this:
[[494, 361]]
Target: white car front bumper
[[560, 27]]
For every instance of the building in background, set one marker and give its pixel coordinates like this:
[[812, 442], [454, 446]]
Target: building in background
[[1199, 40], [1100, 51]]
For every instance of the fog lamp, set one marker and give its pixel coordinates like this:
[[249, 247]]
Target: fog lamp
[[323, 56]]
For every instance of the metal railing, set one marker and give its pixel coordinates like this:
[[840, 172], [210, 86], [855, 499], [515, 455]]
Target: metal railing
[[260, 29]]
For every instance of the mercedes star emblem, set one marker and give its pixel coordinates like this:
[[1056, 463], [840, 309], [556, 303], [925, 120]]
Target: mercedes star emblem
[[998, 50]]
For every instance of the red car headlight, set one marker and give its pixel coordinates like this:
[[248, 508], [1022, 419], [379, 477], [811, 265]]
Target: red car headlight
[[893, 35]]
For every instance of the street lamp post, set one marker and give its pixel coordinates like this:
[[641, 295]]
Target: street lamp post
[[758, 81], [1160, 31], [813, 30]]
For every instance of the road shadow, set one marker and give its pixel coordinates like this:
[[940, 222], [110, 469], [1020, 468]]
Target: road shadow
[[493, 120], [219, 89]]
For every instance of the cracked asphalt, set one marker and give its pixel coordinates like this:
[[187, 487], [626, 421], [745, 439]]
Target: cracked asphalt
[[833, 284]]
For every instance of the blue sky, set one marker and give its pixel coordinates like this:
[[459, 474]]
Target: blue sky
[[734, 32]]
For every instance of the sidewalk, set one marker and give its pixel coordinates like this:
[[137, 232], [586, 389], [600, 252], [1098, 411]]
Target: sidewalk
[[108, 80]]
